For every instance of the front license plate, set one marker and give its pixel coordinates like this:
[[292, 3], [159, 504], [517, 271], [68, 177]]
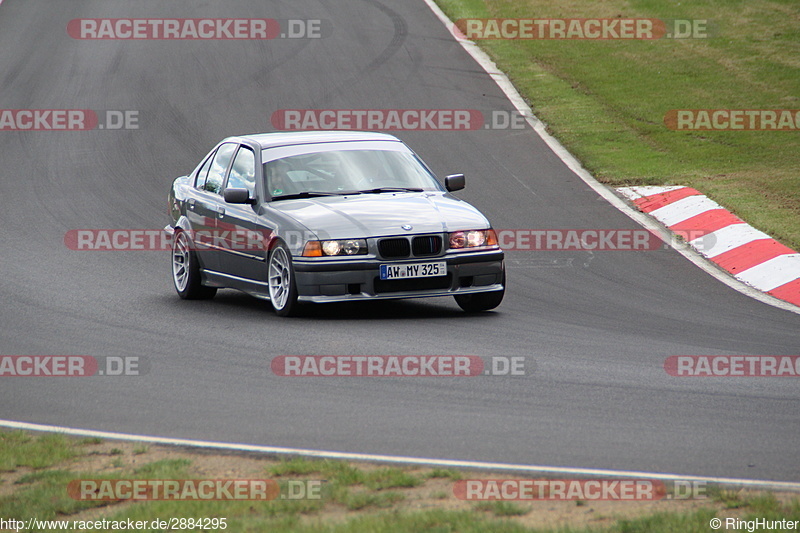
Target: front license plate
[[413, 270]]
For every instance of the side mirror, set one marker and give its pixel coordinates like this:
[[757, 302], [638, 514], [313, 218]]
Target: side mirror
[[454, 182], [237, 196]]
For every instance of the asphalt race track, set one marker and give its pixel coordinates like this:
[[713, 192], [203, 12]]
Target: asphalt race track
[[595, 327]]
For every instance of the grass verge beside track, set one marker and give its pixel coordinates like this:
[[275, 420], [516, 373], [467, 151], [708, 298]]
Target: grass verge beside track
[[605, 100], [35, 470]]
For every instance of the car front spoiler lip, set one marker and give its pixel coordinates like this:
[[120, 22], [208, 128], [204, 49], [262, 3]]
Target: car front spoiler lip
[[400, 295]]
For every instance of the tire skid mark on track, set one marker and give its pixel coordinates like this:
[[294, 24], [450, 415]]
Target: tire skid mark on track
[[399, 34]]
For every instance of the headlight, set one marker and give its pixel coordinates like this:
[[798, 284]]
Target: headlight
[[473, 239], [335, 247], [331, 247]]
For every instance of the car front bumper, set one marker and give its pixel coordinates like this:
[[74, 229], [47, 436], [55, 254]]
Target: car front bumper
[[344, 280]]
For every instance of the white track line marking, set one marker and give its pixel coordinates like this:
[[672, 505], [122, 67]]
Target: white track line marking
[[478, 465], [608, 194]]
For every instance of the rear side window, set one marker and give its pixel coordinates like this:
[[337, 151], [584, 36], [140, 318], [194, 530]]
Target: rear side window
[[243, 171], [216, 174]]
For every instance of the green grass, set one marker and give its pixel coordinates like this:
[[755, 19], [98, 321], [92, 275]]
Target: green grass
[[19, 449], [139, 450], [368, 499], [43, 494], [606, 100], [297, 466], [503, 508], [445, 473], [341, 480], [732, 499], [391, 478], [338, 472], [362, 500], [342, 474]]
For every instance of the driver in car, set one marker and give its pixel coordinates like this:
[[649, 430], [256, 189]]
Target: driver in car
[[278, 180]]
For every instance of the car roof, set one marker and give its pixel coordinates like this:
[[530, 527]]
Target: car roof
[[284, 138]]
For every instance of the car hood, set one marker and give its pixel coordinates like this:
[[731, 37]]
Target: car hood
[[372, 215]]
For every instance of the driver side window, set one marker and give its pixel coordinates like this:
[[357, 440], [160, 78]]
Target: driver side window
[[243, 171]]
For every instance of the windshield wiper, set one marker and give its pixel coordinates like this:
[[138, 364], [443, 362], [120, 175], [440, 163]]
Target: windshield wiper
[[313, 194], [378, 190]]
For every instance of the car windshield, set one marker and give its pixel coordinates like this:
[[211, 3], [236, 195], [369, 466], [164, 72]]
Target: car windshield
[[347, 172]]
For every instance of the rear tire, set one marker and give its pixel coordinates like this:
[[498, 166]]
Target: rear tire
[[282, 285], [481, 301], [186, 270]]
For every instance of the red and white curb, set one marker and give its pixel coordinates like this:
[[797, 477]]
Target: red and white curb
[[752, 256]]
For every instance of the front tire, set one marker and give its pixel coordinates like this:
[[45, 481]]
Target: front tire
[[281, 279], [186, 270]]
